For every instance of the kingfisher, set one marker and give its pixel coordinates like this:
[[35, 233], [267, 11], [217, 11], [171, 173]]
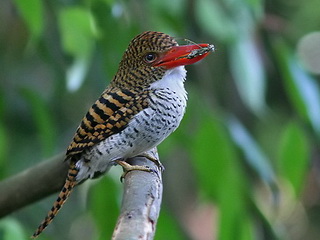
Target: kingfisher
[[143, 104]]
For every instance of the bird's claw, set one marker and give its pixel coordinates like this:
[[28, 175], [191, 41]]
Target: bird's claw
[[153, 159], [128, 168]]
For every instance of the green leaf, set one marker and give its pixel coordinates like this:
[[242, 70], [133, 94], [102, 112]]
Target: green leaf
[[167, 227], [256, 7], [77, 32], [220, 175], [43, 120], [213, 18], [167, 15], [104, 206], [213, 153], [11, 229], [32, 13], [246, 228], [231, 201], [308, 89], [253, 154], [294, 155], [248, 72], [302, 89]]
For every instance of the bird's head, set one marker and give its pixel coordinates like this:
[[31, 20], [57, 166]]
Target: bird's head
[[150, 54]]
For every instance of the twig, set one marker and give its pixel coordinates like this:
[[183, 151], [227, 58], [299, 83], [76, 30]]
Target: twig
[[141, 202]]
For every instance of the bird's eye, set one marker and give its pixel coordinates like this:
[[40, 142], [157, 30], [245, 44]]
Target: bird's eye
[[150, 57]]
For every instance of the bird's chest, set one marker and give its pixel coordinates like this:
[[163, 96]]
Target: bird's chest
[[145, 130], [168, 109], [152, 125]]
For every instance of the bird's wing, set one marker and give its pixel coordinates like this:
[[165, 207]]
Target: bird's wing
[[109, 115]]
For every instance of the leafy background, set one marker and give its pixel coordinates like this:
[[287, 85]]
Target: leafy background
[[245, 162]]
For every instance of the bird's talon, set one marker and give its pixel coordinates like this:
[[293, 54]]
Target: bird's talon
[[122, 177], [153, 159], [128, 168]]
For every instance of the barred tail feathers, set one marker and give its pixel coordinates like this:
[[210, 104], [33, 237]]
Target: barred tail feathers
[[62, 198]]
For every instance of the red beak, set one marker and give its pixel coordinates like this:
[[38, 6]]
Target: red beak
[[184, 55]]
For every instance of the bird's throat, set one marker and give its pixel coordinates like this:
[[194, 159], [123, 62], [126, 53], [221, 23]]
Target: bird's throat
[[173, 80]]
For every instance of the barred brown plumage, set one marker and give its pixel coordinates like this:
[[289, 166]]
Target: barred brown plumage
[[108, 115], [143, 105]]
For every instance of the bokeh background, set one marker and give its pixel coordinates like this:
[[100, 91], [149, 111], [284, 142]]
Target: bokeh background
[[244, 163]]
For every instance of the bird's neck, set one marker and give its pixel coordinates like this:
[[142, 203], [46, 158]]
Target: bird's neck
[[173, 80]]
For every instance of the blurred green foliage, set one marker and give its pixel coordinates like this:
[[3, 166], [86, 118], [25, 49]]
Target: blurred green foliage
[[244, 163]]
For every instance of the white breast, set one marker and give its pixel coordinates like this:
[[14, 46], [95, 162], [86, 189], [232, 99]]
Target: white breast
[[173, 80]]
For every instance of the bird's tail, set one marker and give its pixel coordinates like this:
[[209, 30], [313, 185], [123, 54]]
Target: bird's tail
[[62, 198]]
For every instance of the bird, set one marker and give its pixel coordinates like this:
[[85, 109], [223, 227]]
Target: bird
[[143, 104]]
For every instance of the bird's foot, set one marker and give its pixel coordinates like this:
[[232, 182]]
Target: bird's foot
[[128, 168], [153, 159]]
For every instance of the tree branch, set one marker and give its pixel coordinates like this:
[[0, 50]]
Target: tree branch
[[32, 184], [141, 198], [141, 201]]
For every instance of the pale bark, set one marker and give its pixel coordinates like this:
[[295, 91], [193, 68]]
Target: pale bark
[[141, 202]]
